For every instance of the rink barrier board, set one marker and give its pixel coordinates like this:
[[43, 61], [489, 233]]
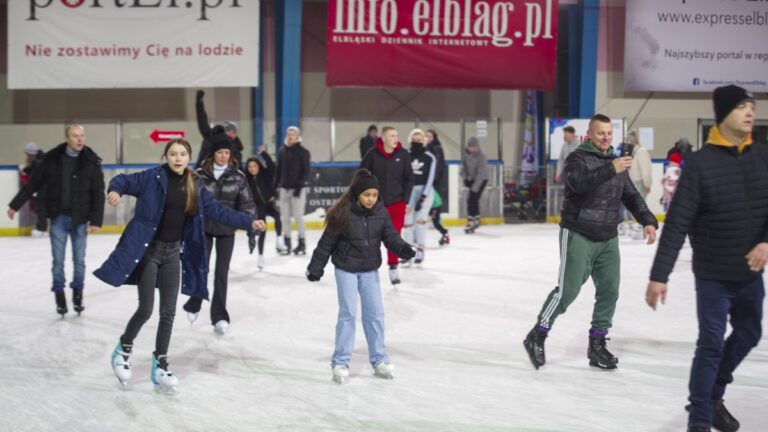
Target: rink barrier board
[[556, 219]]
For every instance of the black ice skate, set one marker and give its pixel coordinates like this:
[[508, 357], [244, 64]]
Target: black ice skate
[[287, 250], [301, 248], [598, 353], [472, 225], [445, 240], [699, 429], [77, 301], [534, 346], [722, 419], [61, 303]]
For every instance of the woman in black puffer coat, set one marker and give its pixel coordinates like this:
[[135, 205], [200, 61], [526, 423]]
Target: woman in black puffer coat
[[229, 187]]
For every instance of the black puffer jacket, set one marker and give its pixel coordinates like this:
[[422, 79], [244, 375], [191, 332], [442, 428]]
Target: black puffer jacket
[[263, 185], [87, 186], [594, 194], [293, 167], [359, 249], [209, 136], [393, 170], [721, 202], [230, 190]]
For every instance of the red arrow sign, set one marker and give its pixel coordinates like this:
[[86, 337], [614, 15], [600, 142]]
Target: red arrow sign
[[163, 136]]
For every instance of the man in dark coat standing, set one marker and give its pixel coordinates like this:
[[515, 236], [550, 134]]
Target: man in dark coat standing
[[368, 141], [73, 185], [229, 128], [721, 204]]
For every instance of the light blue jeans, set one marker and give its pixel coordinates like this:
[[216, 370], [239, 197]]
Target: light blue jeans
[[415, 229], [61, 228], [367, 285]]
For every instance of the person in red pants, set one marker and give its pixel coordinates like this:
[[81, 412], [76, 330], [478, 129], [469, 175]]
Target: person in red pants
[[391, 164]]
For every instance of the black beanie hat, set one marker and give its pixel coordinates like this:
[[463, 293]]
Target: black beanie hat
[[727, 98], [220, 142], [364, 181]]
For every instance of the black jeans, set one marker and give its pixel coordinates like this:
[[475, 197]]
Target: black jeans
[[435, 215], [473, 203], [269, 210], [160, 267], [224, 247]]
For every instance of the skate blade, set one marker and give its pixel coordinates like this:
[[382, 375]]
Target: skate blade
[[338, 380], [383, 376], [597, 365], [161, 389], [529, 351]]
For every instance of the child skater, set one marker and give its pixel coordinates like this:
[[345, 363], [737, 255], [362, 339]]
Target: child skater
[[171, 209], [356, 225]]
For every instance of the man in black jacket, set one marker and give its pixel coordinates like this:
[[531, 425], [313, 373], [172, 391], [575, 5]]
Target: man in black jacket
[[721, 203], [368, 142], [293, 181], [73, 186], [596, 184], [217, 133], [391, 164]]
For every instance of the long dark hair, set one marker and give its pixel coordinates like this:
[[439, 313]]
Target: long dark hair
[[190, 176], [337, 218]]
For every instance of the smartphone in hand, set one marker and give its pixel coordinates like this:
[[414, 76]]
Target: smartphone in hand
[[626, 150]]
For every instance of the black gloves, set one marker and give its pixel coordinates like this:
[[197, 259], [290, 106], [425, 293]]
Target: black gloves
[[420, 203], [200, 95], [468, 183], [251, 243], [408, 253], [315, 277], [297, 192]]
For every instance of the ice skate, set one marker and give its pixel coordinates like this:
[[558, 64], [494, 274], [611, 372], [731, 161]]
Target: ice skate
[[260, 262], [192, 317], [699, 429], [534, 346], [384, 370], [61, 303], [472, 224], [163, 379], [77, 301], [623, 228], [38, 234], [722, 419], [394, 275], [636, 231], [445, 240], [301, 248], [221, 327], [121, 363], [406, 262], [340, 373], [419, 258], [598, 353], [281, 248]]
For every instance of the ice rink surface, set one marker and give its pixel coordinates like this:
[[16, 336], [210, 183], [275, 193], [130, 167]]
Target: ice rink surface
[[454, 331]]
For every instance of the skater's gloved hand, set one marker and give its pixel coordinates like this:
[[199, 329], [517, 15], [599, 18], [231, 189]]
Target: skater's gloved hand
[[467, 183], [312, 277], [408, 253], [251, 242], [200, 95], [297, 192], [420, 202]]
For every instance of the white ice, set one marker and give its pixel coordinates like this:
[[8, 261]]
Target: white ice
[[454, 330]]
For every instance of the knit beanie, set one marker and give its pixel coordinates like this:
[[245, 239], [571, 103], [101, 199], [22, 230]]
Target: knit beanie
[[727, 98], [220, 142], [364, 182], [31, 149], [473, 142]]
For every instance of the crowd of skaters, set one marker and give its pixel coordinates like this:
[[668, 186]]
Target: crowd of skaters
[[396, 189]]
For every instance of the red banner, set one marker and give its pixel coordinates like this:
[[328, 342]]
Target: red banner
[[492, 44]]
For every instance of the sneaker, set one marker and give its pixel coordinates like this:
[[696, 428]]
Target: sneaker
[[192, 317], [38, 234], [394, 276], [221, 327], [121, 362], [340, 373], [163, 379], [384, 370], [260, 262], [419, 255]]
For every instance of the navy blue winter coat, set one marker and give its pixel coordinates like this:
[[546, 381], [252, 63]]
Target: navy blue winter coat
[[149, 188]]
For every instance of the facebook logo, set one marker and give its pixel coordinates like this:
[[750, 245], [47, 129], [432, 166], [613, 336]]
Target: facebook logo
[[696, 81]]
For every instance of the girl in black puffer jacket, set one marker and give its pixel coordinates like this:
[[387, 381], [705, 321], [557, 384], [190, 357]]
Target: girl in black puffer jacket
[[356, 226], [229, 187]]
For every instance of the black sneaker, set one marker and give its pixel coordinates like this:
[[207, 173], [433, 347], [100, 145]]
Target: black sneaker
[[722, 420], [598, 353], [534, 346], [77, 301], [61, 303]]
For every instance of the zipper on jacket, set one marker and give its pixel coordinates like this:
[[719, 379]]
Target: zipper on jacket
[[746, 195], [365, 253]]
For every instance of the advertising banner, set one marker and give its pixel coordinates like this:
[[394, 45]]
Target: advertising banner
[[581, 126], [67, 44], [491, 44], [695, 46]]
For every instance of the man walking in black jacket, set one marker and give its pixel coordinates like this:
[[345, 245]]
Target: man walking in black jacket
[[73, 186], [721, 203], [293, 180], [596, 184]]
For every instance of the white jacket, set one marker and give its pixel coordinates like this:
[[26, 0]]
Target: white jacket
[[640, 170]]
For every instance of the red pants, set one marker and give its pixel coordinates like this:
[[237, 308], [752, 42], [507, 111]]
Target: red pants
[[397, 214]]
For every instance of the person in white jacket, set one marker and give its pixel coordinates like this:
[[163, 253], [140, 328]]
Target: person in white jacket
[[641, 176]]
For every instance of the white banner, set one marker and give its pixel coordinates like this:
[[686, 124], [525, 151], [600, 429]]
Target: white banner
[[581, 126], [58, 44], [695, 45]]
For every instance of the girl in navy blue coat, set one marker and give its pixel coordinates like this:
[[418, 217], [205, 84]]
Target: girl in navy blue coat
[[171, 208], [356, 225]]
